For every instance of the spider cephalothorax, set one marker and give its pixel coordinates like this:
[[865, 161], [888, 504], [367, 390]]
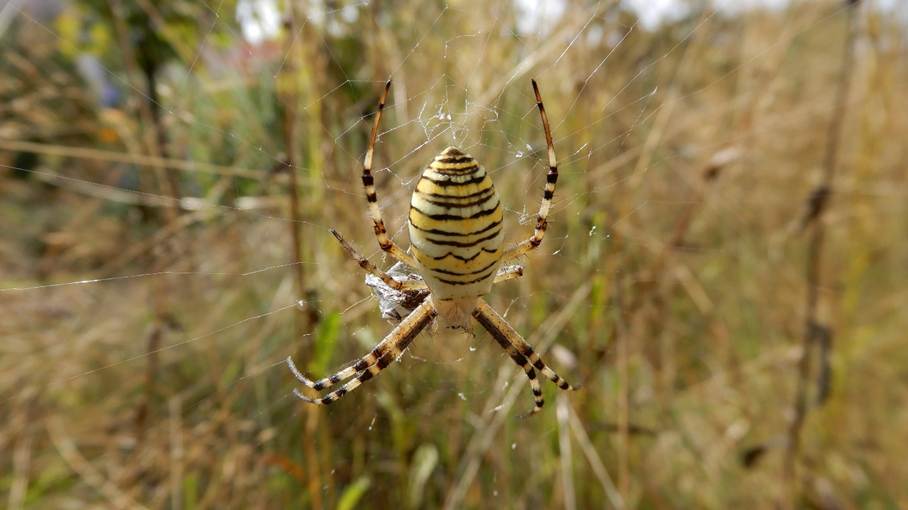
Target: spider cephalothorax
[[455, 224]]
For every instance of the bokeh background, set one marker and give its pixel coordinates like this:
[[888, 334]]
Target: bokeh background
[[724, 270]]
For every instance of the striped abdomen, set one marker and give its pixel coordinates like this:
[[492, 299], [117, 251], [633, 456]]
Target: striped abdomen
[[455, 227]]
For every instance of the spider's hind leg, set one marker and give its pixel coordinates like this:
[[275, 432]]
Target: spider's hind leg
[[519, 350], [388, 350], [330, 381], [518, 358]]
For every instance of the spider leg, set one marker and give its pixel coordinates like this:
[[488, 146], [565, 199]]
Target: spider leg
[[328, 382], [508, 338], [518, 358], [508, 273], [378, 224], [521, 361], [359, 365], [550, 179], [388, 350], [370, 268]]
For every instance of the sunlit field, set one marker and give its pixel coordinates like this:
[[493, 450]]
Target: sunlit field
[[724, 271]]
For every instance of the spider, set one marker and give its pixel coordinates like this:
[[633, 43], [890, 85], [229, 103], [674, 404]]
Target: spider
[[456, 255]]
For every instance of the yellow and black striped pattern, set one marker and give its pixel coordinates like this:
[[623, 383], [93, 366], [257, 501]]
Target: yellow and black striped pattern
[[455, 225]]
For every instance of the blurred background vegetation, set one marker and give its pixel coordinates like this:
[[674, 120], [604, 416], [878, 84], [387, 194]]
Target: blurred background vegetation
[[724, 271]]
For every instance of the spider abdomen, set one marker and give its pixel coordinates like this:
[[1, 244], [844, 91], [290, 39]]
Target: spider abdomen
[[456, 226]]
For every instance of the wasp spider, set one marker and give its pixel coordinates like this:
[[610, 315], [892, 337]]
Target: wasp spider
[[455, 225]]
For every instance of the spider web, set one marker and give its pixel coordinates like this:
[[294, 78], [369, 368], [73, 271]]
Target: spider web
[[613, 92]]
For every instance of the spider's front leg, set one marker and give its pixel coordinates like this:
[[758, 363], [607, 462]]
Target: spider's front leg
[[547, 194], [388, 350]]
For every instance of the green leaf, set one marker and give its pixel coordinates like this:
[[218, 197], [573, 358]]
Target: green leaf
[[424, 461], [353, 493], [190, 491], [325, 340]]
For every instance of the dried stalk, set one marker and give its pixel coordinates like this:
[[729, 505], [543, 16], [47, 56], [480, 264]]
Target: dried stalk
[[621, 337], [66, 447], [289, 97], [144, 160], [814, 330], [149, 110], [595, 461], [562, 413]]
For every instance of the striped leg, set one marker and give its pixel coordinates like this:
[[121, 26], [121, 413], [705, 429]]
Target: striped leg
[[506, 335], [378, 224], [370, 268], [550, 179], [370, 365], [521, 361]]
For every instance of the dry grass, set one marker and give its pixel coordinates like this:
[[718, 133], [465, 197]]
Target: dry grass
[[671, 283]]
